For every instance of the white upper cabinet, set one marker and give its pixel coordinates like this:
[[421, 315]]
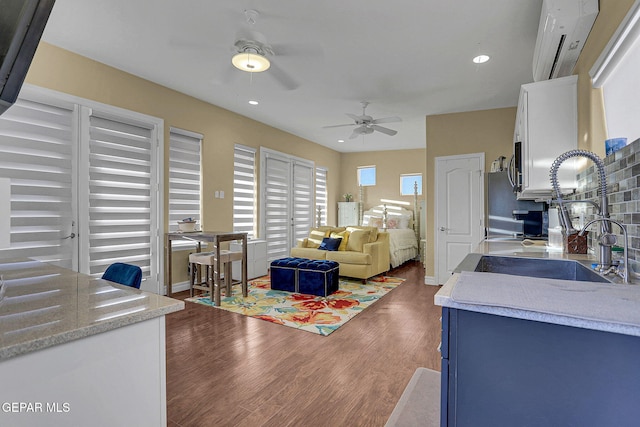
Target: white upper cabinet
[[546, 126]]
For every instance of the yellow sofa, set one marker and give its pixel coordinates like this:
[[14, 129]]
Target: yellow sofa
[[363, 252]]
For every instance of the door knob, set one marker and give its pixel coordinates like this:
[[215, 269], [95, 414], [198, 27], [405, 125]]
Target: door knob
[[70, 236], [443, 229]]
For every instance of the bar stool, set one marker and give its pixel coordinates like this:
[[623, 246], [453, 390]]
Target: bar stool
[[208, 260]]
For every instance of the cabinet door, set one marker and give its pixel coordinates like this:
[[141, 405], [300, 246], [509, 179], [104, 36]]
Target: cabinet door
[[548, 123], [348, 213], [510, 372]]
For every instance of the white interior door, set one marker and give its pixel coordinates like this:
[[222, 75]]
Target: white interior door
[[459, 210]]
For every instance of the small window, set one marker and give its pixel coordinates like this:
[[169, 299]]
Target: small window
[[366, 176], [408, 182]]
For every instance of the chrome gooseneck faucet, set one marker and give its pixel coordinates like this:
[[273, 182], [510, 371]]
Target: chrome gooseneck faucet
[[625, 272], [606, 238]]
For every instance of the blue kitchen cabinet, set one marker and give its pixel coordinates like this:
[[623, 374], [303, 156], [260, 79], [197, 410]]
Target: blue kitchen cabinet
[[503, 371]]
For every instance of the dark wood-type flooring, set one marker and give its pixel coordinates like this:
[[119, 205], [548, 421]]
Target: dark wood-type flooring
[[225, 369]]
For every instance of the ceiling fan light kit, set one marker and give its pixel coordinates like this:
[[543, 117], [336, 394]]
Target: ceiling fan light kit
[[251, 62]]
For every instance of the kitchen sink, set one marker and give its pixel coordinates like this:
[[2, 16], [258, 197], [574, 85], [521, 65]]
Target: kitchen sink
[[531, 267]]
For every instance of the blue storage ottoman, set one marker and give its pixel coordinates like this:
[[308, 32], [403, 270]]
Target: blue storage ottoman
[[318, 277], [284, 273]]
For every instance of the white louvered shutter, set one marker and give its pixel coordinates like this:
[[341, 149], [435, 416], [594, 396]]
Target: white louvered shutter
[[276, 215], [120, 194], [38, 157], [244, 190], [302, 201], [184, 179]]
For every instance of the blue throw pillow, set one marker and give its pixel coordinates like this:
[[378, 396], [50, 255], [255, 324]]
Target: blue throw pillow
[[329, 244]]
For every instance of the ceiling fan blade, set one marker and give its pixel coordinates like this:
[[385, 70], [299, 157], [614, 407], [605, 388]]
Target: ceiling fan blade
[[387, 131], [387, 120], [336, 126], [313, 51], [353, 116], [228, 75], [355, 133], [281, 77]]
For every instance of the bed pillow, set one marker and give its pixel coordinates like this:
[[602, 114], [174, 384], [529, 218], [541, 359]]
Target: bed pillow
[[329, 244], [403, 222], [393, 223], [344, 235], [375, 221], [357, 239]]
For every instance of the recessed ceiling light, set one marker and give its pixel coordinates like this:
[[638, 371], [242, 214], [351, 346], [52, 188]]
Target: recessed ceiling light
[[481, 59], [341, 140], [252, 102]]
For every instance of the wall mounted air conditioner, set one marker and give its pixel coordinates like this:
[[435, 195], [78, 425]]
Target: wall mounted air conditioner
[[562, 33]]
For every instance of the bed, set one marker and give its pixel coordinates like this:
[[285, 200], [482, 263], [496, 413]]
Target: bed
[[399, 223]]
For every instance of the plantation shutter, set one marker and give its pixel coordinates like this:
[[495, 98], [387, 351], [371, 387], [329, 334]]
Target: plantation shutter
[[37, 156], [120, 194], [276, 213], [321, 195], [184, 178], [302, 203], [244, 190]]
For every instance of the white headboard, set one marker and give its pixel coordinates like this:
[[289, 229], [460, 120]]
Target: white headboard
[[386, 214]]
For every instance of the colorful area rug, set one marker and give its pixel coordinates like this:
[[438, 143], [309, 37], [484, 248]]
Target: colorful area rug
[[320, 315]]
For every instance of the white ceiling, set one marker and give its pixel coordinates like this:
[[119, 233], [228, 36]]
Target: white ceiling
[[407, 58]]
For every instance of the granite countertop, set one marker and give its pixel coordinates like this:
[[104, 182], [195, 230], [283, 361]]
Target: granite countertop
[[609, 307], [45, 305]]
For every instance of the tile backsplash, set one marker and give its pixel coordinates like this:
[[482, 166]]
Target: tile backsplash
[[623, 188]]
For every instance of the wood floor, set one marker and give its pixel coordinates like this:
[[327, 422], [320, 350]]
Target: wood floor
[[225, 369]]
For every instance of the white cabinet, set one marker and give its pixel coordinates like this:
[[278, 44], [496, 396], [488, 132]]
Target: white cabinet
[[256, 259], [348, 213], [546, 126]]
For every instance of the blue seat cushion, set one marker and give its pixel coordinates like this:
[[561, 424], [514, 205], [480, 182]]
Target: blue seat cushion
[[125, 274]]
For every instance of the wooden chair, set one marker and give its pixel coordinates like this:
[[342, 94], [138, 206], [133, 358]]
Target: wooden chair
[[208, 260]]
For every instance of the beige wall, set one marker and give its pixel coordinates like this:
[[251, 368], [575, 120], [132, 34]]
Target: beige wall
[[389, 166], [64, 71], [486, 131]]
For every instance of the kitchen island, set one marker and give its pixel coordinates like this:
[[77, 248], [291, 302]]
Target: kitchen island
[[529, 351], [75, 350]]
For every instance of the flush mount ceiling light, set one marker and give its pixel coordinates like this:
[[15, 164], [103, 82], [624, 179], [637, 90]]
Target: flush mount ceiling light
[[481, 59], [250, 60]]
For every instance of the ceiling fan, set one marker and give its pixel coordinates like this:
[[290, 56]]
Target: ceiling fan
[[252, 53], [367, 124]]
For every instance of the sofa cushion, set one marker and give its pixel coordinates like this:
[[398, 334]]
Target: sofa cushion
[[309, 253], [344, 235], [373, 231], [315, 237], [357, 238], [330, 244], [349, 257]]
